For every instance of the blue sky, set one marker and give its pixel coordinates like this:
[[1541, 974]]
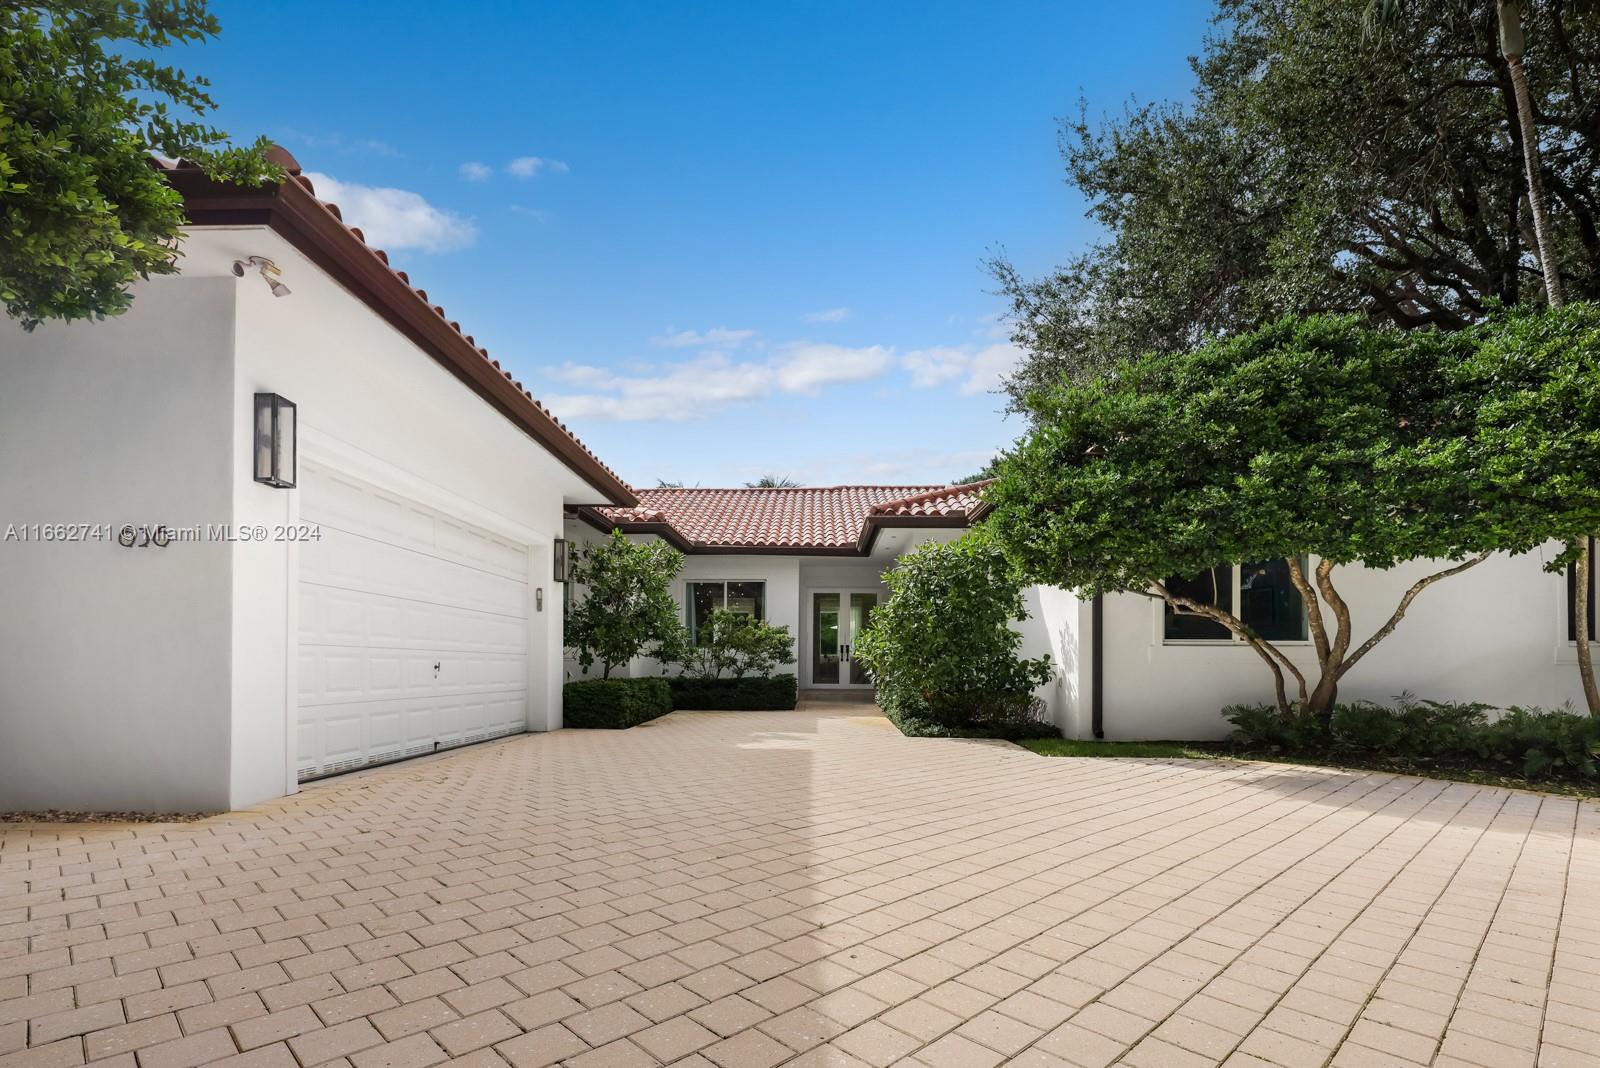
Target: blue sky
[[720, 239]]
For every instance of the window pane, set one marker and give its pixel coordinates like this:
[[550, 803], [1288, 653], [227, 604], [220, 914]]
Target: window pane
[[749, 598], [1269, 602], [825, 637], [704, 598], [1214, 587]]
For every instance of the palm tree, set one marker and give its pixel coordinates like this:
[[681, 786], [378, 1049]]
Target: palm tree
[[773, 482], [1513, 45]]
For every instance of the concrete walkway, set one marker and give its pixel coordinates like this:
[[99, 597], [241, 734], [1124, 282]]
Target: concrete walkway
[[810, 888]]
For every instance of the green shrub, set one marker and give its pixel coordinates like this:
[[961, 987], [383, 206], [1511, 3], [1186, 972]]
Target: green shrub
[[1428, 728], [1264, 727], [1538, 744], [626, 608], [1529, 742], [1364, 725], [744, 694], [614, 703], [920, 727], [737, 643], [941, 648]]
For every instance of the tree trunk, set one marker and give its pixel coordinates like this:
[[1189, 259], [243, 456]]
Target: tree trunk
[[1583, 570], [1320, 701], [1512, 44]]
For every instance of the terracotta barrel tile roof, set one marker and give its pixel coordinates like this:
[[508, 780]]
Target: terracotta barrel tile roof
[[801, 518], [293, 207], [946, 500]]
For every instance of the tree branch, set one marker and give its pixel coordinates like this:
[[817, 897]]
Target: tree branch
[[1400, 611], [1264, 649]]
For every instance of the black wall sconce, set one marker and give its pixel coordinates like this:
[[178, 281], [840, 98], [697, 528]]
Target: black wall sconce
[[275, 441], [561, 554]]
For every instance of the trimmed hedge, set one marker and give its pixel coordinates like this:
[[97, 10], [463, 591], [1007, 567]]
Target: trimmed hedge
[[1536, 744], [614, 703], [756, 693]]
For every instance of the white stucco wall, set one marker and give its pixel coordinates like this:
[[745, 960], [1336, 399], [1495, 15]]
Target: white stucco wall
[[1058, 626], [372, 405], [1492, 634], [165, 679], [114, 662]]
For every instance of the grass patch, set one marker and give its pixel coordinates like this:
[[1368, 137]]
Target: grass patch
[[1449, 771], [1072, 747]]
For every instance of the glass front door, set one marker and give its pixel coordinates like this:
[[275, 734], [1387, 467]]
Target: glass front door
[[837, 618]]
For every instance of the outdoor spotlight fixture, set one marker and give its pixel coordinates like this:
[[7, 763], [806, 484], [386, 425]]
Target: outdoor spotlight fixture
[[269, 272], [275, 441], [561, 545]]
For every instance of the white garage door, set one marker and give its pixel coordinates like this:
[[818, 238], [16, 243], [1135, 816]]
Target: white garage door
[[413, 628]]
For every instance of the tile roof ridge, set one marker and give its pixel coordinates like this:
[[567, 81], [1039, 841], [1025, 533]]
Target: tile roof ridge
[[956, 490]]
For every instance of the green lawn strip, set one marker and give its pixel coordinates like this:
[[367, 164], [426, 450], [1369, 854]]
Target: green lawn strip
[[1070, 747], [1160, 750]]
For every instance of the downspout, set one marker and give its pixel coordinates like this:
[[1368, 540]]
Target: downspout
[[1097, 661]]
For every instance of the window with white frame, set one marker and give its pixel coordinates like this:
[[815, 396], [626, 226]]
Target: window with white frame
[[1572, 589], [1261, 594], [703, 598]]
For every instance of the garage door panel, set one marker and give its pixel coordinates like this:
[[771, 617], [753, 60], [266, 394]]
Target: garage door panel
[[355, 508], [413, 629], [335, 676], [342, 617], [341, 560]]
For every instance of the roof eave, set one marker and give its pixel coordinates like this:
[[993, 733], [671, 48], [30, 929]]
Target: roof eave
[[294, 212]]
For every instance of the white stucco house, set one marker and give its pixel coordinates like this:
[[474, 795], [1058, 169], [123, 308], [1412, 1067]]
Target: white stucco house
[[267, 527]]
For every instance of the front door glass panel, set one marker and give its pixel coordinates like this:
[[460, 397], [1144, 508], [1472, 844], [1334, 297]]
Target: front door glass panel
[[825, 638], [861, 608]]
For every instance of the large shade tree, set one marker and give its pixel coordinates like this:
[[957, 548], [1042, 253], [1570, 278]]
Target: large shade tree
[[1319, 436], [1383, 16], [1320, 167], [84, 103], [1415, 161]]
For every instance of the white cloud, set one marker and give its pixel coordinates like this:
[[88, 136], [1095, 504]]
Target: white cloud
[[716, 338], [806, 366], [338, 142], [531, 166], [395, 218], [828, 315], [697, 388], [977, 369], [473, 171]]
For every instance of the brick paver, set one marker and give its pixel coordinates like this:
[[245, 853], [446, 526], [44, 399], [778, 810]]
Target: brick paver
[[810, 888]]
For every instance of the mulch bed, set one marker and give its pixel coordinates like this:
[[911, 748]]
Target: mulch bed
[[53, 815]]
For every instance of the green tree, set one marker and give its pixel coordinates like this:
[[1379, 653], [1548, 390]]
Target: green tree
[[1384, 15], [627, 608], [84, 104], [942, 646], [1538, 431], [739, 644], [1316, 169], [773, 482], [1320, 436]]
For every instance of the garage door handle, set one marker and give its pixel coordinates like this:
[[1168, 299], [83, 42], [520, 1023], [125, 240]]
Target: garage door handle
[[436, 669]]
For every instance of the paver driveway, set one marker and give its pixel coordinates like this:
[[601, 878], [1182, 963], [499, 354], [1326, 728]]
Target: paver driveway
[[810, 888]]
